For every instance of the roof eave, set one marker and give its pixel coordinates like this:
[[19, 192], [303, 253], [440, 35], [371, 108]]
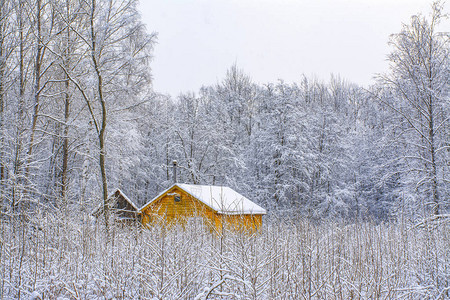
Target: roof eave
[[157, 197], [232, 213]]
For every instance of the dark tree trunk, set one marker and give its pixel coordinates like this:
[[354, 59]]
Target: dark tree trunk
[[101, 133]]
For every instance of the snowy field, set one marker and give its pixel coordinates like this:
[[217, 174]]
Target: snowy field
[[53, 259]]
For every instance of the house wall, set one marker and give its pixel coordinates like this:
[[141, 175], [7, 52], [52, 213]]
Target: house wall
[[249, 223], [123, 209]]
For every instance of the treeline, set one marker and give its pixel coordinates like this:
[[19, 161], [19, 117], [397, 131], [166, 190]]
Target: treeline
[[78, 115], [301, 147]]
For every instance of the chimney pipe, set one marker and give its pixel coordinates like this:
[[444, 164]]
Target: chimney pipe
[[174, 171]]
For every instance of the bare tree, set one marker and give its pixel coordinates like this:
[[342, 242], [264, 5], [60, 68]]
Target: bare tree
[[20, 123], [116, 51], [6, 49], [419, 89]]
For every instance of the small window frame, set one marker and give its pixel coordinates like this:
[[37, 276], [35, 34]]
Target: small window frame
[[177, 198]]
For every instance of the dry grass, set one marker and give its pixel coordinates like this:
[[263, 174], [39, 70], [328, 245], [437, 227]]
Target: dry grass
[[286, 260]]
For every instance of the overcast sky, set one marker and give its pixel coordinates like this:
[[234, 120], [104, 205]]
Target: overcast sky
[[198, 40]]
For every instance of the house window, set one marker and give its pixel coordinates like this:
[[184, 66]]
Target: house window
[[177, 198]]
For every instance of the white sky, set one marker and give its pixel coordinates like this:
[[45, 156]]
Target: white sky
[[198, 40]]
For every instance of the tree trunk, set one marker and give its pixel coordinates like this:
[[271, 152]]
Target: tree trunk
[[37, 86], [2, 99], [65, 152], [20, 112], [101, 133], [434, 184]]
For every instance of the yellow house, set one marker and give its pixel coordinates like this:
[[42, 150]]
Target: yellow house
[[217, 206]]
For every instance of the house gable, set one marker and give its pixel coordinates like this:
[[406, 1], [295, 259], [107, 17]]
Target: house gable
[[175, 204]]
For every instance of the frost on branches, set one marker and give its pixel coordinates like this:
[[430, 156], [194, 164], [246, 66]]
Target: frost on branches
[[54, 258]]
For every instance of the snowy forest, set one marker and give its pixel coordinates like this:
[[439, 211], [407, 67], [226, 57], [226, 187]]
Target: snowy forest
[[355, 179]]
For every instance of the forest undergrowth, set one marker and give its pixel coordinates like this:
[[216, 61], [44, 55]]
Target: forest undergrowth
[[67, 257]]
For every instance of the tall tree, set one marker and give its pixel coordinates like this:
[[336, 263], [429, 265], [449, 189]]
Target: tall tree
[[18, 161], [43, 20], [6, 49], [419, 96], [118, 52]]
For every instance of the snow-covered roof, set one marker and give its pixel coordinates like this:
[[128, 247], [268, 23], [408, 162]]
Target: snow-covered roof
[[125, 197], [221, 199]]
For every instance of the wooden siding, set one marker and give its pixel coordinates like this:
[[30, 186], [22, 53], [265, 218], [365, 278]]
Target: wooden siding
[[166, 210], [250, 223]]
